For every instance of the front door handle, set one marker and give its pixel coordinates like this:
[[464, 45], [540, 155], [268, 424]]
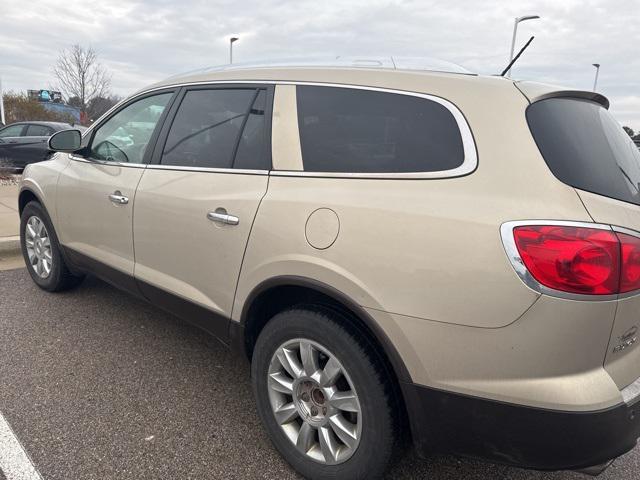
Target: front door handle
[[221, 216], [119, 199]]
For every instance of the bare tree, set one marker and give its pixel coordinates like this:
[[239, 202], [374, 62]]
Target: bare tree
[[81, 75]]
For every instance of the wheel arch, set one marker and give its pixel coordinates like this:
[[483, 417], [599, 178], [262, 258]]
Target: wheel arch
[[268, 297], [27, 195], [279, 293]]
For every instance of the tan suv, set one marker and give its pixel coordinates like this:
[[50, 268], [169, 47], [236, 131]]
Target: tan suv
[[443, 258]]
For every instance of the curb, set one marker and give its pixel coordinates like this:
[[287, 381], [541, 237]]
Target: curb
[[10, 245]]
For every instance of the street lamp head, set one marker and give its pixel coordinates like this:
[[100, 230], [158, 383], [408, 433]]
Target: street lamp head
[[526, 17], [597, 65], [233, 39]]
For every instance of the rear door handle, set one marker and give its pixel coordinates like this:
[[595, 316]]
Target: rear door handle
[[119, 199], [221, 216]]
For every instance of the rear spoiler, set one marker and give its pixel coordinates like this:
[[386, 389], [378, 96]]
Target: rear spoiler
[[540, 91]]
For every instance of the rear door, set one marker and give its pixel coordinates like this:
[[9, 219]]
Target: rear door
[[196, 202], [585, 147]]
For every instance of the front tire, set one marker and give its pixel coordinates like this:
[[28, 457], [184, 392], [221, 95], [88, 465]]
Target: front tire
[[41, 251], [323, 397]]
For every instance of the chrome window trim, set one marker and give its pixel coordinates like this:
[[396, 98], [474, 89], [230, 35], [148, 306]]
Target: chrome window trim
[[105, 162], [469, 163], [509, 243], [207, 169], [631, 392]]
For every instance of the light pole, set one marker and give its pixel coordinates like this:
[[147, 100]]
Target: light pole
[[515, 31], [2, 120], [595, 82], [231, 40]]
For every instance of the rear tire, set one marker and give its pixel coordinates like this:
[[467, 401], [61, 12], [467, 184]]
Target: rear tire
[[41, 251], [361, 399]]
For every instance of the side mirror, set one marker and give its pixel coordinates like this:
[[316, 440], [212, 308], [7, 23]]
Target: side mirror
[[65, 141]]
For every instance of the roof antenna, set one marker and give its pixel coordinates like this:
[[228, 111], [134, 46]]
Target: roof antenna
[[517, 57]]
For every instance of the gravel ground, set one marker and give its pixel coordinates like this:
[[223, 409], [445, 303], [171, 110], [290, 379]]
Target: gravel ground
[[8, 179], [99, 385]]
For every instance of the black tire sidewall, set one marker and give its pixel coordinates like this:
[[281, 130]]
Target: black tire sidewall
[[376, 443], [56, 277]]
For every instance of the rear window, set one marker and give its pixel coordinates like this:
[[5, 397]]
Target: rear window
[[585, 147], [362, 131]]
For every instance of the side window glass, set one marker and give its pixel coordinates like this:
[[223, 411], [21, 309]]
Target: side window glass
[[124, 137], [11, 131], [38, 131], [363, 131], [206, 128], [251, 154]]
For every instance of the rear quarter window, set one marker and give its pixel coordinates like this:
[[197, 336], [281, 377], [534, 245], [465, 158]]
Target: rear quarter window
[[586, 148], [351, 130]]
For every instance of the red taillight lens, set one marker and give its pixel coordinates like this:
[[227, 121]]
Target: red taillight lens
[[630, 276], [573, 259]]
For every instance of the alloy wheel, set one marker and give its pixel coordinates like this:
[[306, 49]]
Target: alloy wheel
[[314, 401], [38, 246]]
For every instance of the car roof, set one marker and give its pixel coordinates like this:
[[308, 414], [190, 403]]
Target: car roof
[[384, 72], [58, 125]]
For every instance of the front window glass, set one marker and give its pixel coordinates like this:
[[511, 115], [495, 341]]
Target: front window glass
[[124, 137], [11, 131]]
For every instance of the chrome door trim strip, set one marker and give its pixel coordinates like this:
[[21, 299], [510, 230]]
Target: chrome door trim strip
[[104, 162], [206, 169]]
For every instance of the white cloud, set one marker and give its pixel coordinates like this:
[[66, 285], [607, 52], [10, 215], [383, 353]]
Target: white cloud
[[145, 40]]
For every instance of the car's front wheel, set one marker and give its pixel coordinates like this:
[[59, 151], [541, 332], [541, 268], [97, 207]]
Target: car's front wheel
[[41, 250], [323, 397]]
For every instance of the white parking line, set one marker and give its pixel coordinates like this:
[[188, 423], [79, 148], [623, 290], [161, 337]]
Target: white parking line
[[14, 461]]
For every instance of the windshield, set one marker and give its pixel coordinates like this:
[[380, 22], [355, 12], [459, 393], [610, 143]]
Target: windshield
[[585, 147]]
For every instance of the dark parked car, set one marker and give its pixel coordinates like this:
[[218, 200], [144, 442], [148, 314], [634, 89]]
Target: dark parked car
[[22, 143]]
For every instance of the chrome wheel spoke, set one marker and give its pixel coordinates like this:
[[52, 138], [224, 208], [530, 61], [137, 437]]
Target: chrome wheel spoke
[[280, 383], [30, 231], [330, 373], [328, 445], [346, 401], [309, 356], [286, 413], [289, 361], [306, 437], [344, 430]]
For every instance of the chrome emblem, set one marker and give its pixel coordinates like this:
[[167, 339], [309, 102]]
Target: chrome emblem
[[627, 339]]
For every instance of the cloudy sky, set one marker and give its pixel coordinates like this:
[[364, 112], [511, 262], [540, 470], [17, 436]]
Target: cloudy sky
[[141, 41]]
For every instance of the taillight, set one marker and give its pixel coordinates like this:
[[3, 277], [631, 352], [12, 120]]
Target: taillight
[[630, 252], [571, 259], [574, 257]]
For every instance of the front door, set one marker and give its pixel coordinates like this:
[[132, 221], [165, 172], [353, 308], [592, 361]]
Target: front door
[[195, 206], [96, 191]]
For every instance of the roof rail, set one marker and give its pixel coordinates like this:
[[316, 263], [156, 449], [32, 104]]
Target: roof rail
[[392, 63]]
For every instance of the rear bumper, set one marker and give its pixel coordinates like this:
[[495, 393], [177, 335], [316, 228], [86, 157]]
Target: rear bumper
[[518, 435]]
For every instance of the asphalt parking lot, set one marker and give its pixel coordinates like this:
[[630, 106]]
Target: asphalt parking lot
[[98, 385]]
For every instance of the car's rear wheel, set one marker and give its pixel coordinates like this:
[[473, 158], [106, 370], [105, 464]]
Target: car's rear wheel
[[322, 396], [41, 251]]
